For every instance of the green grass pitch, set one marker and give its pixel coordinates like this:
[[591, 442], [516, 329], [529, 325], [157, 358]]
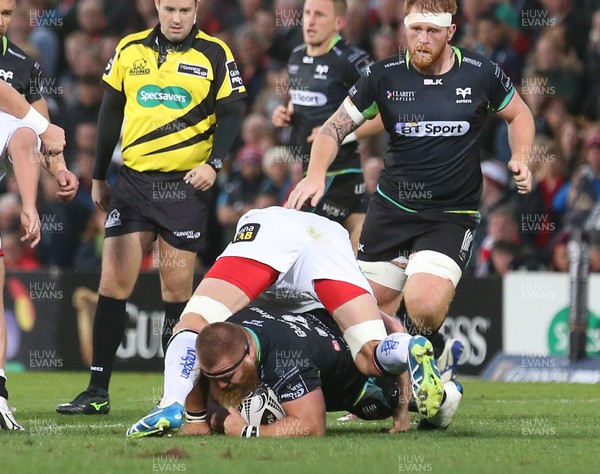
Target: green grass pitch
[[500, 428]]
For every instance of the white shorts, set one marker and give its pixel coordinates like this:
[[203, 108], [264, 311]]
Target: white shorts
[[302, 246]]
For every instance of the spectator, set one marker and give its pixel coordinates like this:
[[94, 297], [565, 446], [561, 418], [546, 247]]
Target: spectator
[[240, 192], [503, 257], [501, 225]]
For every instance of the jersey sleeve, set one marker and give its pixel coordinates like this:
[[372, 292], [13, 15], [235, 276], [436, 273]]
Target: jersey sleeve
[[293, 383], [34, 92], [359, 63], [114, 73], [228, 78], [363, 96], [502, 89]]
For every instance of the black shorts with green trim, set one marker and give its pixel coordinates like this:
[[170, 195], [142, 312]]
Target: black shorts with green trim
[[390, 232], [343, 196]]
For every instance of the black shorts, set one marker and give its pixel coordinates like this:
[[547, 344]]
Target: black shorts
[[343, 196], [159, 202], [390, 232]]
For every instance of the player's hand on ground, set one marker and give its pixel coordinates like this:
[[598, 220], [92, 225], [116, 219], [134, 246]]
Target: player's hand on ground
[[312, 189], [68, 183], [53, 139], [195, 429], [312, 136], [282, 115], [521, 174], [201, 177], [101, 194], [401, 423], [234, 423], [30, 220]]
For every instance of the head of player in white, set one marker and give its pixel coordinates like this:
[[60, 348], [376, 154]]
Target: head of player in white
[[176, 18], [228, 358], [7, 8], [322, 20], [429, 29]]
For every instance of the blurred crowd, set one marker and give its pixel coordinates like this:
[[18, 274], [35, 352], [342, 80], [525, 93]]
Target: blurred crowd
[[549, 48]]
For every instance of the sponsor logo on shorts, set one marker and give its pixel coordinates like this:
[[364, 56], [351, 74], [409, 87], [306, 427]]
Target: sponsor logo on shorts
[[192, 70], [465, 248], [172, 97], [188, 234], [433, 129], [113, 219], [247, 233]]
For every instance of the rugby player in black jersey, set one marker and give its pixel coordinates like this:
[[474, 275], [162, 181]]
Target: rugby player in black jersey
[[303, 357], [320, 73], [433, 99]]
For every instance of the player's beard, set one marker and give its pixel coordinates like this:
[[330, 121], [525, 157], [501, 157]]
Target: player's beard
[[424, 62], [234, 394]]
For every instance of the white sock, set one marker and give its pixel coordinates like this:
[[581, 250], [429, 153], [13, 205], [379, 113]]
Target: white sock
[[3, 374], [392, 353], [181, 368]]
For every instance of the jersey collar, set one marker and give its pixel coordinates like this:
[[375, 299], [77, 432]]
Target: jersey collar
[[151, 40], [457, 53], [4, 45], [257, 342], [334, 41]]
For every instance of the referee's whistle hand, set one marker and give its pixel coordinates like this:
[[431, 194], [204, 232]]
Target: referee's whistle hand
[[201, 177]]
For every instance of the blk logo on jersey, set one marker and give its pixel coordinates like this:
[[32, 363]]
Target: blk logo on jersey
[[247, 233], [432, 82], [432, 129]]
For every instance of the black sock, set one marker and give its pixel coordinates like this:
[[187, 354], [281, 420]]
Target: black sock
[[3, 391], [172, 314], [109, 328], [435, 337], [438, 343]]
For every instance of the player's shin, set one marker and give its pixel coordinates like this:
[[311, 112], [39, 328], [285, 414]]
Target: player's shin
[[181, 366]]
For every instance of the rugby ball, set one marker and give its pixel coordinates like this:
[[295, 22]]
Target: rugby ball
[[261, 407]]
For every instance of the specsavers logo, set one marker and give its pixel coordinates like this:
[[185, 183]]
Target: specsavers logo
[[558, 334], [172, 97]]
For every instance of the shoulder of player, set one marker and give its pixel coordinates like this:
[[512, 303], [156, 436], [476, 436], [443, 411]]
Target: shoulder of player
[[396, 63], [18, 53], [349, 52], [472, 60], [133, 39], [203, 42]]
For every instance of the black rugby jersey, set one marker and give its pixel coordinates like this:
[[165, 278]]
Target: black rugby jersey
[[435, 124], [21, 71], [299, 352], [317, 86]]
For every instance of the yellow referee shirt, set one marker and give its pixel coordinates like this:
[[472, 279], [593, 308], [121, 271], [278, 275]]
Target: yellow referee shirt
[[170, 119]]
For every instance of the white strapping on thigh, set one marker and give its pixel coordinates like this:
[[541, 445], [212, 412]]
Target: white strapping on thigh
[[434, 263], [358, 335], [384, 273], [211, 310]]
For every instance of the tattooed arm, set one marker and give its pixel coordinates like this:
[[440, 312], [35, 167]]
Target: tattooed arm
[[324, 150]]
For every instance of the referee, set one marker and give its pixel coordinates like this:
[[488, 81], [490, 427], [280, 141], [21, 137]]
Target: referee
[[179, 92]]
